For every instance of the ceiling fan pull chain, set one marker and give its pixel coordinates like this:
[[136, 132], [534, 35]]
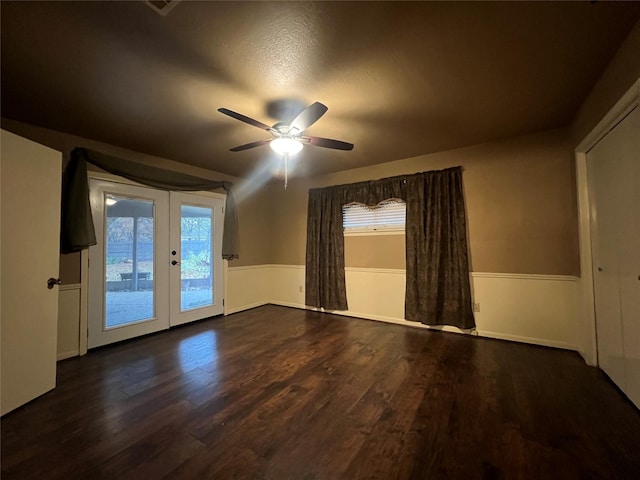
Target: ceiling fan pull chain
[[286, 168]]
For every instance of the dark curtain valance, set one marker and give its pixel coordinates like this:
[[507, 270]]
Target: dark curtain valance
[[77, 229], [438, 290]]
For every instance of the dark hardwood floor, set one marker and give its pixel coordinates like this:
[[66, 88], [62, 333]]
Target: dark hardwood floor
[[281, 393]]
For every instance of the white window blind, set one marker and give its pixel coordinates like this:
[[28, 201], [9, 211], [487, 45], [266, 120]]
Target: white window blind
[[387, 215]]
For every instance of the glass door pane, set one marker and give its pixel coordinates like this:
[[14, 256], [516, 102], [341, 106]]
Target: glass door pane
[[128, 267], [196, 235], [129, 229]]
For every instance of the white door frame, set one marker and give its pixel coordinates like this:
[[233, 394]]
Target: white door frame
[[586, 328], [84, 264]]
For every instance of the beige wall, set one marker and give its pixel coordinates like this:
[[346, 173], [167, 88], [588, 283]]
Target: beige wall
[[380, 251], [253, 217], [289, 222], [252, 209], [520, 196], [618, 77], [69, 268], [521, 206]]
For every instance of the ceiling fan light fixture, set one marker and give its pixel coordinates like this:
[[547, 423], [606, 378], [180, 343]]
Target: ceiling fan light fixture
[[285, 145]]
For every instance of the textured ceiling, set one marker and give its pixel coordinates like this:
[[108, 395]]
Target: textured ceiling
[[400, 79]]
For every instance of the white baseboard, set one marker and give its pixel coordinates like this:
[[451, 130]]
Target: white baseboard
[[444, 328], [292, 305], [65, 355], [242, 308], [531, 340]]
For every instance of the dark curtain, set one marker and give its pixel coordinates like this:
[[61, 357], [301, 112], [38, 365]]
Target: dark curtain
[[438, 291], [324, 277], [77, 229]]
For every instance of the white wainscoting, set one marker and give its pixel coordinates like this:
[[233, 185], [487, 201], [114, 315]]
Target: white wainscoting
[[68, 321], [247, 287], [539, 309], [536, 309]]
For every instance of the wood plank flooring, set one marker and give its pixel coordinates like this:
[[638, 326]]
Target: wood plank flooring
[[279, 393]]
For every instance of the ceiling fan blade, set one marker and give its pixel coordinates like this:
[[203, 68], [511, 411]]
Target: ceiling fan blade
[[247, 146], [328, 143], [308, 117], [245, 119]]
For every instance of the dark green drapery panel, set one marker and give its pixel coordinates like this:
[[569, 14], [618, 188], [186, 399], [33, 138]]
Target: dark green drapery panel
[[77, 229], [324, 277], [438, 290]]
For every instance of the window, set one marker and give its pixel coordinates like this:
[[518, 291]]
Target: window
[[386, 217]]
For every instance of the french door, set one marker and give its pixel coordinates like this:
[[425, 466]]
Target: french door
[[196, 257], [157, 262]]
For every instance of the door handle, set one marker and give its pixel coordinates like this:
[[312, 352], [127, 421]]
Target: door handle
[[53, 281], [175, 262]]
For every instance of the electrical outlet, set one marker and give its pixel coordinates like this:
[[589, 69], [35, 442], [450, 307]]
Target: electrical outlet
[[476, 307], [300, 288]]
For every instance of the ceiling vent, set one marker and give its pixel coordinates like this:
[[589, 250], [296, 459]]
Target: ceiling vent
[[162, 7]]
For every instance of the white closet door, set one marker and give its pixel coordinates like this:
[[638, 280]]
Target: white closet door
[[628, 133], [605, 175], [614, 180]]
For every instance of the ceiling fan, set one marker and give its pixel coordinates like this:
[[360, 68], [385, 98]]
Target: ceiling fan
[[288, 138]]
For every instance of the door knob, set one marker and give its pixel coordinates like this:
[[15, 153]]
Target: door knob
[[175, 262], [53, 281], [599, 269]]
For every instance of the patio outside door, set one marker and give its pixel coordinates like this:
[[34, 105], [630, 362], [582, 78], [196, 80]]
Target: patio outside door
[[158, 261]]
